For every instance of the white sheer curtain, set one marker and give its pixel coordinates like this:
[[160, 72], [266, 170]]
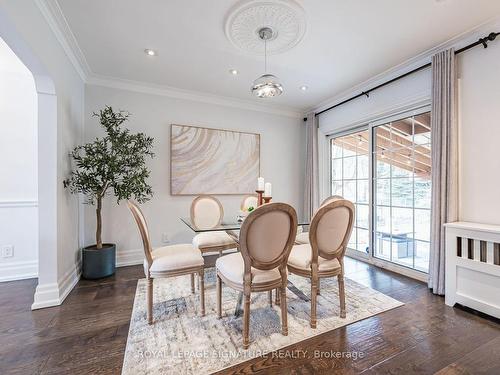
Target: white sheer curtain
[[444, 134], [311, 191]]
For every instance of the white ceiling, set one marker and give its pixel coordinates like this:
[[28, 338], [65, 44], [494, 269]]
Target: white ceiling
[[346, 42]]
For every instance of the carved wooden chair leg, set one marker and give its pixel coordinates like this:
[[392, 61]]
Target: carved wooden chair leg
[[277, 297], [314, 292], [219, 297], [149, 297], [284, 312], [342, 295], [246, 321], [270, 295], [192, 283], [201, 288]]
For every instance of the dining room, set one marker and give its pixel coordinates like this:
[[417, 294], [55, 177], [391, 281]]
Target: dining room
[[251, 187]]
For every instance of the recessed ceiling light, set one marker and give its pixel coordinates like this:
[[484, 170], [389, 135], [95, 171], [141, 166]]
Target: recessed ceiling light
[[150, 52], [304, 88], [233, 72]]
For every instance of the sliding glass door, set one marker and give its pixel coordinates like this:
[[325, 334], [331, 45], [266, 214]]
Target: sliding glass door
[[398, 155]]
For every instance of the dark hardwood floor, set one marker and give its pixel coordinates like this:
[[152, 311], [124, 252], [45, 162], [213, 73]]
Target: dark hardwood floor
[[88, 333]]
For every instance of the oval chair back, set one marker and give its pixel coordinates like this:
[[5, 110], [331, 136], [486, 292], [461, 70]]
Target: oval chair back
[[331, 199], [248, 201], [331, 228], [143, 230], [267, 236], [206, 212]]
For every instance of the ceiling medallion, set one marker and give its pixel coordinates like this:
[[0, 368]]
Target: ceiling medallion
[[285, 18]]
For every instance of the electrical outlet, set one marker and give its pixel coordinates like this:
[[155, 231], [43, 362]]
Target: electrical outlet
[[165, 238], [7, 251]]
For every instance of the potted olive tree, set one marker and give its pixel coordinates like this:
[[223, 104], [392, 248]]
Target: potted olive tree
[[114, 164]]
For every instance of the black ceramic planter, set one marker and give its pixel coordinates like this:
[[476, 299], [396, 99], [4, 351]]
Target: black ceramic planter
[[98, 263]]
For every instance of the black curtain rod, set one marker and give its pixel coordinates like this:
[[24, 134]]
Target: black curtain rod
[[482, 41]]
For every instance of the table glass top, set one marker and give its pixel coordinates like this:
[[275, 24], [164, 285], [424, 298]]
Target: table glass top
[[225, 225]]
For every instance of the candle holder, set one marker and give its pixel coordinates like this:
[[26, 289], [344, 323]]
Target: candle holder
[[259, 197], [266, 199]]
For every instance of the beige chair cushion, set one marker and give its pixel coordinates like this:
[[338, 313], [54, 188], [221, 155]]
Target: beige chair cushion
[[212, 239], [302, 238], [232, 267], [300, 257], [174, 257]]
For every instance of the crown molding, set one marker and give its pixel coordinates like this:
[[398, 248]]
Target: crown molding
[[172, 92], [457, 41], [54, 16]]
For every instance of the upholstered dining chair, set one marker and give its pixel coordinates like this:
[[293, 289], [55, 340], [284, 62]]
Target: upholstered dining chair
[[248, 201], [266, 238], [329, 233], [303, 237], [167, 261], [207, 213]]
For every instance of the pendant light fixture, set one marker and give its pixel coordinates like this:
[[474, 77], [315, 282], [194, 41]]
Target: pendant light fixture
[[267, 85]]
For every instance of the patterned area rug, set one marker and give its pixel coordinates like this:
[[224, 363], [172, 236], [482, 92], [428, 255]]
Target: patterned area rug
[[182, 342]]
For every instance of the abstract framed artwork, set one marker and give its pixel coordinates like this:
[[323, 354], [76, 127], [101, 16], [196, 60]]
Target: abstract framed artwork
[[213, 161]]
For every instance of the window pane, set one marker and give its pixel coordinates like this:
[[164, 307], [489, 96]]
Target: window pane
[[352, 244], [383, 192], [402, 163], [362, 216], [422, 125], [337, 188], [423, 192], [349, 190], [363, 191], [336, 169], [382, 245], [349, 168], [383, 220], [402, 192], [336, 150], [423, 225], [402, 248], [363, 242], [383, 167], [363, 166], [402, 221], [422, 256]]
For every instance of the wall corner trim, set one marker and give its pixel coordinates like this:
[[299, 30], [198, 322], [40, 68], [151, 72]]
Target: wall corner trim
[[54, 294]]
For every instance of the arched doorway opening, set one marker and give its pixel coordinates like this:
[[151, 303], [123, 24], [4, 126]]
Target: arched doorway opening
[[47, 291]]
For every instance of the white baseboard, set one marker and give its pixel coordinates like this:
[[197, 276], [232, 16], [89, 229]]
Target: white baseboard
[[18, 270], [129, 257], [54, 294]]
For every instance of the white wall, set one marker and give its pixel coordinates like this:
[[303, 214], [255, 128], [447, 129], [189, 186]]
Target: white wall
[[479, 72], [479, 123], [26, 30], [282, 162], [18, 168]]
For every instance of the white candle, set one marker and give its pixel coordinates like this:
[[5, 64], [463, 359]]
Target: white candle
[[267, 190], [260, 183]]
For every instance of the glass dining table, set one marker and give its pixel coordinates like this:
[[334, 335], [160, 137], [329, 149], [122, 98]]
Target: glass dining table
[[231, 227]]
